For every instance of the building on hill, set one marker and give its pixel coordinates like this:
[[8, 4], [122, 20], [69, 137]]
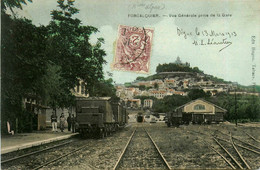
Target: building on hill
[[244, 93], [159, 94], [133, 103], [178, 61], [201, 111], [148, 103], [170, 82], [180, 93], [213, 90]]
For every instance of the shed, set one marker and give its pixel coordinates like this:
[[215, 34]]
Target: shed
[[200, 110]]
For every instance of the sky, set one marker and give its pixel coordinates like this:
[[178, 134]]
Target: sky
[[236, 21]]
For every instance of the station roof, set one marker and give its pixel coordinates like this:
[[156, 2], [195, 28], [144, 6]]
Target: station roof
[[203, 101]]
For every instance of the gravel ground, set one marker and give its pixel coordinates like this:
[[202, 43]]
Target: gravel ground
[[141, 153], [33, 161], [103, 155], [35, 148], [182, 148]]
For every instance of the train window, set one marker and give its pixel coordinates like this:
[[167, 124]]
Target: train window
[[199, 107]]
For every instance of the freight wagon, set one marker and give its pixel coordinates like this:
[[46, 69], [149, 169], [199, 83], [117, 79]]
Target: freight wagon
[[99, 116], [174, 119]]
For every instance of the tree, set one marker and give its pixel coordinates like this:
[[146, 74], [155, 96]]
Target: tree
[[248, 107], [69, 48], [13, 4], [197, 70], [156, 86], [197, 93], [173, 67], [142, 87], [45, 63], [169, 103], [105, 88], [23, 64], [140, 78]]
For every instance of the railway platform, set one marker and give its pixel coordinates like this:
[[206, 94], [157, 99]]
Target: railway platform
[[10, 143]]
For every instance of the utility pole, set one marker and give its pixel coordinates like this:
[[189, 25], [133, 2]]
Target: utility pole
[[236, 105]]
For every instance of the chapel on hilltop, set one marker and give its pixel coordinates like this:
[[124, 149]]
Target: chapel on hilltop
[[179, 62]]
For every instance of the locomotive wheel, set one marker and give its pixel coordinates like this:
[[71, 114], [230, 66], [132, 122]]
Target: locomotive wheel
[[101, 135], [117, 127], [81, 134]]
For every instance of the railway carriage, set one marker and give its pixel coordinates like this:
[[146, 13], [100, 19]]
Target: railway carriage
[[120, 113], [174, 119], [98, 116]]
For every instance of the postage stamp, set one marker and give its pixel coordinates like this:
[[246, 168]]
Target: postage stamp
[[133, 49]]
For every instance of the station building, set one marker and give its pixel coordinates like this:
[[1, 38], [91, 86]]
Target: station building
[[201, 111]]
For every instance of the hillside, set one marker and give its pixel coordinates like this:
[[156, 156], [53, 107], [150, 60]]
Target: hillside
[[183, 71]]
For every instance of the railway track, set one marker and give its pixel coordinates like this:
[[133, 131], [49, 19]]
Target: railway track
[[9, 160], [243, 144], [45, 157], [229, 152], [252, 137], [141, 152], [60, 157]]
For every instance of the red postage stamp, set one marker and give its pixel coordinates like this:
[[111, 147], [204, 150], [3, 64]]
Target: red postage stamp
[[133, 49]]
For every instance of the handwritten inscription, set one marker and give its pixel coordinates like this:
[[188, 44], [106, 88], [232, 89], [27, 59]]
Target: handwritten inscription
[[148, 6], [253, 49], [208, 37], [213, 42]]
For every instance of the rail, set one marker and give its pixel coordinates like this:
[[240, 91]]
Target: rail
[[33, 153], [210, 147], [252, 137], [227, 152], [153, 143], [120, 157], [158, 150], [54, 160], [241, 157], [241, 146]]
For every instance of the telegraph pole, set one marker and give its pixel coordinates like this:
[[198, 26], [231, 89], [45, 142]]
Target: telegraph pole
[[236, 105]]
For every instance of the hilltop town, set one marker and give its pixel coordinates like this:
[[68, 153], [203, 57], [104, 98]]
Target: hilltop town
[[174, 83]]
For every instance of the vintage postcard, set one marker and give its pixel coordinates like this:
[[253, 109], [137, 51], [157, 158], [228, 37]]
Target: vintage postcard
[[130, 84]]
